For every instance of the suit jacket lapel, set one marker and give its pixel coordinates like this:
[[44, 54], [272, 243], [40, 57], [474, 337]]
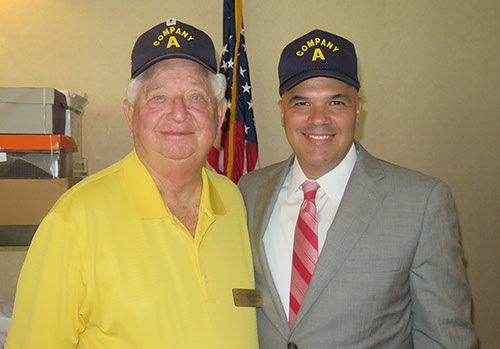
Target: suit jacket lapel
[[361, 200], [269, 190]]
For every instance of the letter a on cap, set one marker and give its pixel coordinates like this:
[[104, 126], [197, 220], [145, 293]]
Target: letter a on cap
[[172, 41], [318, 54]]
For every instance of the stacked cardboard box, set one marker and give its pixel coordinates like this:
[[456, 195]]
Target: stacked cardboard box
[[40, 133], [23, 205], [36, 156]]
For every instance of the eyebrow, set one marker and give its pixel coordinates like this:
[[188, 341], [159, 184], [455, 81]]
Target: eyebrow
[[339, 96], [297, 98], [301, 98]]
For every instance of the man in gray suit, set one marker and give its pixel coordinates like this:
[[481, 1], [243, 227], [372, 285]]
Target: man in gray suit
[[389, 270]]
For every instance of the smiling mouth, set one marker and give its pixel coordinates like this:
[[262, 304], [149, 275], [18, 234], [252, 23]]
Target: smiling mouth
[[318, 137], [176, 133]]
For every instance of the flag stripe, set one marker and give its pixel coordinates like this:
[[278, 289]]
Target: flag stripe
[[235, 151]]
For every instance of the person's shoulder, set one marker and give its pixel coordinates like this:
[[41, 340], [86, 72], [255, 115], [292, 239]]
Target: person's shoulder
[[263, 174], [98, 184], [404, 183], [224, 190], [222, 184], [219, 179], [401, 171], [105, 176], [407, 181], [376, 167]]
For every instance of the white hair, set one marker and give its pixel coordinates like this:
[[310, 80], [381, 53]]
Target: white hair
[[217, 81]]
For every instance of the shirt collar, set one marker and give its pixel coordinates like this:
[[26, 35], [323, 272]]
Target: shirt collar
[[330, 182], [210, 194], [147, 198]]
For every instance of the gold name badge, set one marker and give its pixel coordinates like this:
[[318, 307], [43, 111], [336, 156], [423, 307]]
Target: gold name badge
[[247, 298]]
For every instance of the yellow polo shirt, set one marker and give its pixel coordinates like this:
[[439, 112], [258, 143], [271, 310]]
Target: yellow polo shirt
[[111, 267]]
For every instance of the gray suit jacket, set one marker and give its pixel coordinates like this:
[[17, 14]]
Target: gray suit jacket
[[390, 274]]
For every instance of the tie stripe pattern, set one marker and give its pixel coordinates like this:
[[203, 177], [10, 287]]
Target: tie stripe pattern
[[305, 248]]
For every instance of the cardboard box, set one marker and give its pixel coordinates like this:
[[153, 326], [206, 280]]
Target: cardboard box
[[27, 201], [39, 165], [74, 114], [36, 156], [32, 110]]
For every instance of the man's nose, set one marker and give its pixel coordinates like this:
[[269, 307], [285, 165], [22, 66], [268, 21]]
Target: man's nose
[[179, 110], [319, 116]]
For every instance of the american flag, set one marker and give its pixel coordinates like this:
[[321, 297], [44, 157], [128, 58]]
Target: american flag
[[236, 152]]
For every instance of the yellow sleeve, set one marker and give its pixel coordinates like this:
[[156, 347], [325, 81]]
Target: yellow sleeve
[[49, 289]]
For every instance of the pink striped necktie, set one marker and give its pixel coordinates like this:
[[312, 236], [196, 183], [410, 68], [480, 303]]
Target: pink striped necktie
[[305, 249]]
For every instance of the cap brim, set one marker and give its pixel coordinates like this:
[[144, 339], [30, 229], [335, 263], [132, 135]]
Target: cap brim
[[298, 78], [155, 60]]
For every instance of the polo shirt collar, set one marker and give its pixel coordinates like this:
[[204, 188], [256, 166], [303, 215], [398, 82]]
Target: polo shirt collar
[[147, 198]]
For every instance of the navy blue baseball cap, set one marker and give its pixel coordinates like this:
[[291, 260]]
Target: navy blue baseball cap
[[172, 39], [318, 53]]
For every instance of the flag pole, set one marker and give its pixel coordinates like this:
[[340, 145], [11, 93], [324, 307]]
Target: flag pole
[[234, 95]]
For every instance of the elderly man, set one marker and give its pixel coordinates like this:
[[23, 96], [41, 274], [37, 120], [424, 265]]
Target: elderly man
[[349, 250], [153, 251]]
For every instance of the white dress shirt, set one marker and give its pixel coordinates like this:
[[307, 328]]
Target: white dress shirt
[[278, 238]]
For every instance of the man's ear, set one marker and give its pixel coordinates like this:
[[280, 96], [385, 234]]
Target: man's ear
[[359, 105], [282, 113], [221, 111], [128, 110]]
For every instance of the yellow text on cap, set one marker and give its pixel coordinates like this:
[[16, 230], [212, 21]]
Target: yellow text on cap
[[170, 32], [316, 42]]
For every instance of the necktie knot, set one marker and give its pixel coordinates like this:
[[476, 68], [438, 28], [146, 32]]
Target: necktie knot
[[310, 189]]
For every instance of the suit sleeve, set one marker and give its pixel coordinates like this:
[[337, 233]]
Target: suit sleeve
[[441, 299]]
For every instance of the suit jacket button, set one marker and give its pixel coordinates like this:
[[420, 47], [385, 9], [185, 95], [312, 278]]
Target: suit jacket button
[[292, 345]]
